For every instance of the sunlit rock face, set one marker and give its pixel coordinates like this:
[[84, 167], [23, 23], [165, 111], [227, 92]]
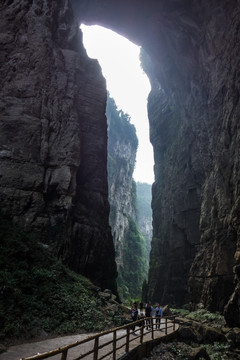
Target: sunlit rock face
[[53, 135], [193, 111]]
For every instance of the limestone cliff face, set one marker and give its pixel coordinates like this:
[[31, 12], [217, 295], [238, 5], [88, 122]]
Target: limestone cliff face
[[176, 200], [122, 148], [129, 244], [194, 54], [53, 134]]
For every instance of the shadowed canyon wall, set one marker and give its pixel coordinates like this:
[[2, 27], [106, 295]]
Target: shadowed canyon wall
[[53, 174]]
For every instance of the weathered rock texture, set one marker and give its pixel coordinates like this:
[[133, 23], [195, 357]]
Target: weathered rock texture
[[53, 176], [193, 110]]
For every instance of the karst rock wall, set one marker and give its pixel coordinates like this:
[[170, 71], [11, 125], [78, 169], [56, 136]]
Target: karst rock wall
[[53, 135], [193, 65]]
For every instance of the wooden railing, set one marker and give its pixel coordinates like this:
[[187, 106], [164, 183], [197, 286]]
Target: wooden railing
[[121, 339]]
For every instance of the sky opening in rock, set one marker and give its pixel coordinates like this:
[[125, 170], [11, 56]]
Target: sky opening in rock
[[127, 84]]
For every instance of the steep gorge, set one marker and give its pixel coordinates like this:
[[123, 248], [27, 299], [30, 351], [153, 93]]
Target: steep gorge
[[53, 139]]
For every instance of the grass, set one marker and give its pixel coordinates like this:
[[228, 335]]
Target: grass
[[182, 351], [180, 312], [202, 316]]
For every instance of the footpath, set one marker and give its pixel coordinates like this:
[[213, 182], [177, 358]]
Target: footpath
[[30, 349]]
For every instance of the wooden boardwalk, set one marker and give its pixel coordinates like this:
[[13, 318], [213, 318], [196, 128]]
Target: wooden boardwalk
[[109, 345]]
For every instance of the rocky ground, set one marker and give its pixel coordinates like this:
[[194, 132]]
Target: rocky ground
[[201, 335], [181, 351]]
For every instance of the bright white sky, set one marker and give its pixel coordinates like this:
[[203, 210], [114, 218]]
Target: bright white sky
[[127, 84]]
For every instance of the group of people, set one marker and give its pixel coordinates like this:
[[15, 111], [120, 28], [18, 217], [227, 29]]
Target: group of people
[[147, 312]]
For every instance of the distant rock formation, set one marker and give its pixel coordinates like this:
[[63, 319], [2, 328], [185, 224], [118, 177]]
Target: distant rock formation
[[144, 213], [130, 246]]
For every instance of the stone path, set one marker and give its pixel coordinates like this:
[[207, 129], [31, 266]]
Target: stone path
[[29, 349]]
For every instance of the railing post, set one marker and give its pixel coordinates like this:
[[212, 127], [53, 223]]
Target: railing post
[[127, 340], [142, 330], [64, 355], [165, 326], [114, 344], [152, 328], [174, 324], [95, 355]]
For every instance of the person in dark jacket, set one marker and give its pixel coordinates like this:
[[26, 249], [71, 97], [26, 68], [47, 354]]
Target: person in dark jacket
[[148, 314], [134, 314]]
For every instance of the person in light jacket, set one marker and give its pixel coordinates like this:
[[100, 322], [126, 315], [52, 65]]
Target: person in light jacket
[[158, 314]]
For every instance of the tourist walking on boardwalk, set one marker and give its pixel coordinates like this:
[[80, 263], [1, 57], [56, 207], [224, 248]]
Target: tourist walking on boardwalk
[[141, 310], [158, 314], [148, 314], [134, 314]]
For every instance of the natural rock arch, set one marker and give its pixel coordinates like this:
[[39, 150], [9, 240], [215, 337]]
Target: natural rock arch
[[193, 65]]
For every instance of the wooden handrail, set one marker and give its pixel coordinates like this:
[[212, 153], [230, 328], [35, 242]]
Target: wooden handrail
[[96, 347]]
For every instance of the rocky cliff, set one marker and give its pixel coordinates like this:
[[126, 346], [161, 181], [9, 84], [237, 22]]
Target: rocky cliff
[[130, 247], [53, 136], [192, 111], [122, 149], [51, 94]]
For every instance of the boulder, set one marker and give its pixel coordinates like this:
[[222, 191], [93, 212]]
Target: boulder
[[211, 334], [104, 296], [166, 310], [233, 337], [199, 353], [189, 333]]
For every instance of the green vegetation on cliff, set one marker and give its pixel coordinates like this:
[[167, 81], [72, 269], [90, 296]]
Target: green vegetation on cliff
[[39, 295], [132, 274], [144, 212], [120, 127]]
